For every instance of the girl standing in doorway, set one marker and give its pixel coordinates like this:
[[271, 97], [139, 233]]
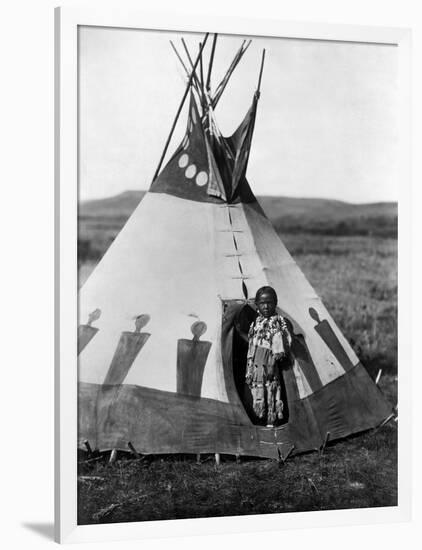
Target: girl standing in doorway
[[269, 342]]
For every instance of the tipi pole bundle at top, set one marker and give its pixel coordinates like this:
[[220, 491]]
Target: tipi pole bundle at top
[[160, 362], [180, 107]]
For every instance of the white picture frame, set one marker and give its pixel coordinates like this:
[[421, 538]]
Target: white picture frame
[[67, 21]]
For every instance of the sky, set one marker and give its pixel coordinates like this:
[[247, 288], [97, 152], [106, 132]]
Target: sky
[[327, 120]]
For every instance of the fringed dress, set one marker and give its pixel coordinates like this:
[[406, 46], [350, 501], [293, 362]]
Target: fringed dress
[[269, 341]]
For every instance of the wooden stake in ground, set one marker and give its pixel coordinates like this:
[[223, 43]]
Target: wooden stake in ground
[[327, 437], [386, 421], [133, 450], [217, 459], [113, 456], [88, 447], [281, 459]]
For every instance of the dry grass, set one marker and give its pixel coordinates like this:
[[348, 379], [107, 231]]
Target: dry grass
[[356, 278]]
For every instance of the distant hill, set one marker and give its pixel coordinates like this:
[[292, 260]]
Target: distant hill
[[331, 217], [118, 205], [288, 214], [100, 220]]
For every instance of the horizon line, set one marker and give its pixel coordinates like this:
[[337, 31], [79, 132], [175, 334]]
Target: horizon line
[[332, 199]]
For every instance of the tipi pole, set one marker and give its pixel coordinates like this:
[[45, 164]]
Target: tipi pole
[[221, 87], [260, 72], [201, 70], [179, 58], [179, 110], [201, 87], [208, 83]]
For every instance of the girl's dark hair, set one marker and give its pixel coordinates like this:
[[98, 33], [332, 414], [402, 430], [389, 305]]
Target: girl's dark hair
[[266, 290]]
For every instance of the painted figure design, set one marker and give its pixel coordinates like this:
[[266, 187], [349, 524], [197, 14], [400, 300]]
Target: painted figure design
[[191, 358], [128, 348], [87, 332]]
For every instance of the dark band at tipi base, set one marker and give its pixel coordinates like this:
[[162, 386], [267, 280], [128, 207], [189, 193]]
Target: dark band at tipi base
[[161, 365]]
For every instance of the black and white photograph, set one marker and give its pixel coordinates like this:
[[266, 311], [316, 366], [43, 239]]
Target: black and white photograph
[[237, 275]]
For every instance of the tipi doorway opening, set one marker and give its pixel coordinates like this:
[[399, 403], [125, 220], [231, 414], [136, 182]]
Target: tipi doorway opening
[[241, 319]]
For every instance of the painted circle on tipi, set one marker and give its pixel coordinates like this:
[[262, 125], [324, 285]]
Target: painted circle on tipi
[[184, 160], [190, 171], [201, 179]]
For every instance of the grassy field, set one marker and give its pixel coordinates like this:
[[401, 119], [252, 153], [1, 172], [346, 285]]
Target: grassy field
[[354, 473], [356, 276]]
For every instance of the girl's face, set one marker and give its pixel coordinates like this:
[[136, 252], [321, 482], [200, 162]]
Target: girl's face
[[266, 305]]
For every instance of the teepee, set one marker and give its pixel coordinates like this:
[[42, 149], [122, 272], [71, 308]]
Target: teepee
[[159, 355]]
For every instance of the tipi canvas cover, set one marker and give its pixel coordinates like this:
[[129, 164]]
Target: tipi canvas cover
[[160, 360]]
